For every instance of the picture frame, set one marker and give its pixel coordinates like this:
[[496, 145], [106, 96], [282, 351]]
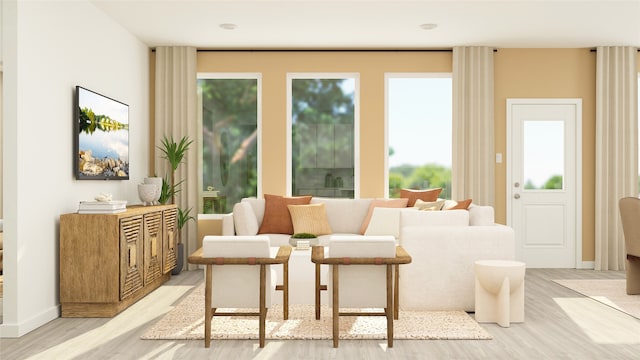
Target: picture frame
[[101, 137]]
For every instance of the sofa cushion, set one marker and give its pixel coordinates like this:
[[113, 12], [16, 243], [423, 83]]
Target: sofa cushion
[[481, 215], [424, 195], [244, 219], [345, 215], [310, 219], [277, 219], [434, 218], [386, 203]]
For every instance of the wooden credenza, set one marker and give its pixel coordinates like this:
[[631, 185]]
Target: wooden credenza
[[110, 261]]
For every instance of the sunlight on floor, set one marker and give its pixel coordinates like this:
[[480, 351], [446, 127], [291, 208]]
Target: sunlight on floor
[[167, 350], [606, 301], [271, 350], [601, 323], [138, 314]]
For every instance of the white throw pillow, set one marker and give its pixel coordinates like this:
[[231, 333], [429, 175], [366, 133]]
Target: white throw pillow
[[245, 219], [384, 221], [429, 205]]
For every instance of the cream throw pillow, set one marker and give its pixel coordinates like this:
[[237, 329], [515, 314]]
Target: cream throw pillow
[[385, 203], [384, 221], [429, 205], [310, 219]]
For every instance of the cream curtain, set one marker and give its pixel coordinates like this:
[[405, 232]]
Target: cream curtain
[[616, 149], [176, 116], [473, 138]]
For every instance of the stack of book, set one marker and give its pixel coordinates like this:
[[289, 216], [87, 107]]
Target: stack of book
[[102, 207]]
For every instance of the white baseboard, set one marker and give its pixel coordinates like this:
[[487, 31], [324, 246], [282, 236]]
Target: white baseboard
[[586, 265], [17, 330]]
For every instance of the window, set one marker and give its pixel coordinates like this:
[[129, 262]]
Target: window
[[419, 135], [323, 128], [229, 106], [543, 163]]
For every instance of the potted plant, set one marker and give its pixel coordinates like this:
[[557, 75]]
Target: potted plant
[[173, 152], [183, 218], [311, 238]]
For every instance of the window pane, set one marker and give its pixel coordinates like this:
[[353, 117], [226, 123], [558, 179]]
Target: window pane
[[322, 120], [229, 142], [419, 125], [543, 164]]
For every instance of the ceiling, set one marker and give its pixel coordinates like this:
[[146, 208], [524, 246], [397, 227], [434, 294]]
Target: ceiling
[[391, 24]]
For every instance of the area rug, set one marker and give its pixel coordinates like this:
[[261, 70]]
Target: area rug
[[611, 292], [186, 321]]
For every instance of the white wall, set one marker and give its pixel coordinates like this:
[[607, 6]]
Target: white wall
[[49, 48]]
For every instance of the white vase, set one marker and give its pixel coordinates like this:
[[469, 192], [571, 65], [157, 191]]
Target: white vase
[[158, 182], [147, 193]]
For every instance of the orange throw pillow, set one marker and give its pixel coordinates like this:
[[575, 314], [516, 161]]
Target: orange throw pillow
[[428, 195], [461, 205], [385, 203], [277, 219]]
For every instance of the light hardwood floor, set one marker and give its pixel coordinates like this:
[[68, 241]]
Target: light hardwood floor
[[559, 324]]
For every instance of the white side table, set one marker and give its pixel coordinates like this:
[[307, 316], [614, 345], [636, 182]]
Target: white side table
[[499, 291]]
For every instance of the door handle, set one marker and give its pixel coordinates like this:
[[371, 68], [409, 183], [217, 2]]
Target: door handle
[[516, 184], [516, 196]]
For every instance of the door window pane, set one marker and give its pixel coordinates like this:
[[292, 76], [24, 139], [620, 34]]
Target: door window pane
[[229, 142], [322, 136], [419, 132], [543, 164]]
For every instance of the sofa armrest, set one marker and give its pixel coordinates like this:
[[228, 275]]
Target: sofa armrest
[[441, 275], [214, 224]]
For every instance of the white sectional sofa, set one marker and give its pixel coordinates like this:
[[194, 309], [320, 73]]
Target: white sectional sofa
[[443, 244]]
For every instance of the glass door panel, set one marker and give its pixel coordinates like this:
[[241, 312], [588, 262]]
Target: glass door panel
[[543, 152]]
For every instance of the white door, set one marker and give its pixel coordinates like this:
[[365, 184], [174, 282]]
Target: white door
[[544, 180]]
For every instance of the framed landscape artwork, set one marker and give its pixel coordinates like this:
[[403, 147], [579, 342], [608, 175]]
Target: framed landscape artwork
[[101, 137]]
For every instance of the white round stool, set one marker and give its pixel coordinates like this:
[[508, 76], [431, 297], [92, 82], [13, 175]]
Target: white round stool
[[499, 291]]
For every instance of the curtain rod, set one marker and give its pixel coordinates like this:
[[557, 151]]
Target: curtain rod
[[594, 50], [324, 50]]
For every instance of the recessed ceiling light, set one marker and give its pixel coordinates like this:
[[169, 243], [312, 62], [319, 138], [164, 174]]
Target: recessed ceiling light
[[428, 26], [228, 26]]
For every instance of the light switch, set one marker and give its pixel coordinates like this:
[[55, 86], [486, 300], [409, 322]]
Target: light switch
[[498, 158]]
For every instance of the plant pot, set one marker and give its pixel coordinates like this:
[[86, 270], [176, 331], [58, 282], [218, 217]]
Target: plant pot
[[158, 182], [294, 241], [147, 193], [179, 259]]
